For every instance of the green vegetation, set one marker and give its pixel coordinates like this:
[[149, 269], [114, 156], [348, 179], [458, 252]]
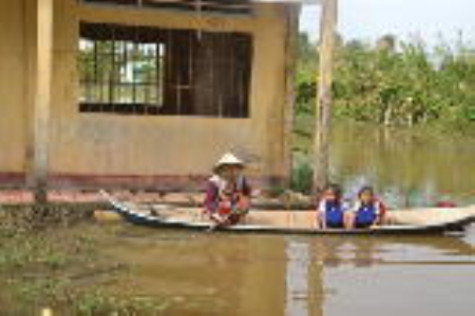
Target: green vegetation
[[389, 83], [302, 177], [407, 85], [62, 269]]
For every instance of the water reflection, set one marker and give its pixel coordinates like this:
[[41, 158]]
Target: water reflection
[[297, 279], [320, 270], [226, 274], [410, 167]]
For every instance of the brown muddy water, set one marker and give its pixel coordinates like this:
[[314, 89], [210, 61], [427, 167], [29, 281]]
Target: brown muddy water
[[407, 167], [219, 274], [229, 274]]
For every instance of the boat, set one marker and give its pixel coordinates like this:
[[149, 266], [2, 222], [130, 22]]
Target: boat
[[400, 222]]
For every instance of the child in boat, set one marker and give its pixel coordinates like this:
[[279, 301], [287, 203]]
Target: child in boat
[[228, 193], [331, 211], [368, 210]]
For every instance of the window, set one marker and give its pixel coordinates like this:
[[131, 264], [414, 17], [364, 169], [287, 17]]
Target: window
[[233, 7], [121, 69], [150, 71]]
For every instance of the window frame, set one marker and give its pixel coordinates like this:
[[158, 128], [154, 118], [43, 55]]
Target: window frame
[[237, 8], [229, 102]]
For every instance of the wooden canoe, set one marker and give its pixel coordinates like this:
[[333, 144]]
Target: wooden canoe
[[403, 222]]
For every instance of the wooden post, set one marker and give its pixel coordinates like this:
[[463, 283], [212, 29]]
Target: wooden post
[[291, 52], [324, 96], [41, 112]]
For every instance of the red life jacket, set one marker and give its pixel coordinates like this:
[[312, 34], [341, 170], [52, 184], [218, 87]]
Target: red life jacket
[[445, 204], [217, 188], [382, 208]]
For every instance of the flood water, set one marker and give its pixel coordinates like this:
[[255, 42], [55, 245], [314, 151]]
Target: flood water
[[225, 274], [220, 274], [230, 274], [407, 167]]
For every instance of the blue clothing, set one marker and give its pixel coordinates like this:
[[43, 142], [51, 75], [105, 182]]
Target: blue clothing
[[366, 214], [333, 213]]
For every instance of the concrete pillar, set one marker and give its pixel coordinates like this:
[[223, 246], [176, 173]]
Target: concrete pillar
[[42, 101]]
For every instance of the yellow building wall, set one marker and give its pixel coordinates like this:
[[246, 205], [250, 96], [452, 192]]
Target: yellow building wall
[[88, 144], [12, 87]]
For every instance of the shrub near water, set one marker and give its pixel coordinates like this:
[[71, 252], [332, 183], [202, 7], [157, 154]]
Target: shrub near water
[[302, 177]]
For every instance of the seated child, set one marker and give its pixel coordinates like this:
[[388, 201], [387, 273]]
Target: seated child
[[331, 209], [367, 210]]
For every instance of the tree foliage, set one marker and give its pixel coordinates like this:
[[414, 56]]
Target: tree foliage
[[405, 86]]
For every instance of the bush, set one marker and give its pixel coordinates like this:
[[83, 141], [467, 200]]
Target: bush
[[302, 177]]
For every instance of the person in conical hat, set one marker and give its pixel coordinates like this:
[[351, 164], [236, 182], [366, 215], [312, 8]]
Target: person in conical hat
[[228, 159], [228, 193]]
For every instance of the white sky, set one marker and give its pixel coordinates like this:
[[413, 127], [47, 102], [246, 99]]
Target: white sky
[[426, 19]]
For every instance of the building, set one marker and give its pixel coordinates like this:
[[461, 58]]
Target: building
[[143, 93]]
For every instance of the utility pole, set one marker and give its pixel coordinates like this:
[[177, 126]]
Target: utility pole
[[321, 148]]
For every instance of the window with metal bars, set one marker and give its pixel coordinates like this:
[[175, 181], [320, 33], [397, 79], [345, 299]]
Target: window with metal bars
[[152, 71], [236, 7]]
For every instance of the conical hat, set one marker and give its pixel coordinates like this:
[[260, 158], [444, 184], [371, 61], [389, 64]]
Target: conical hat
[[229, 159]]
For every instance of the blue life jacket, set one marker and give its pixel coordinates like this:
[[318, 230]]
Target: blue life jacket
[[366, 214], [333, 213]]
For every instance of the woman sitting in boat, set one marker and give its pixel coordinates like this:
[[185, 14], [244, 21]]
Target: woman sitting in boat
[[368, 210], [228, 193], [331, 211]]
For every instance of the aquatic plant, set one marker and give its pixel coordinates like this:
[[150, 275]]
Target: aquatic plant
[[100, 303], [63, 269]]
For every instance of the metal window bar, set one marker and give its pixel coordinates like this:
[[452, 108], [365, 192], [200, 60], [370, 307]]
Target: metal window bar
[[134, 70], [159, 74], [96, 75], [125, 63], [112, 72], [222, 52]]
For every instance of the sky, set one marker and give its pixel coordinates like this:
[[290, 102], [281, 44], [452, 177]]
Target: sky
[[429, 20]]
